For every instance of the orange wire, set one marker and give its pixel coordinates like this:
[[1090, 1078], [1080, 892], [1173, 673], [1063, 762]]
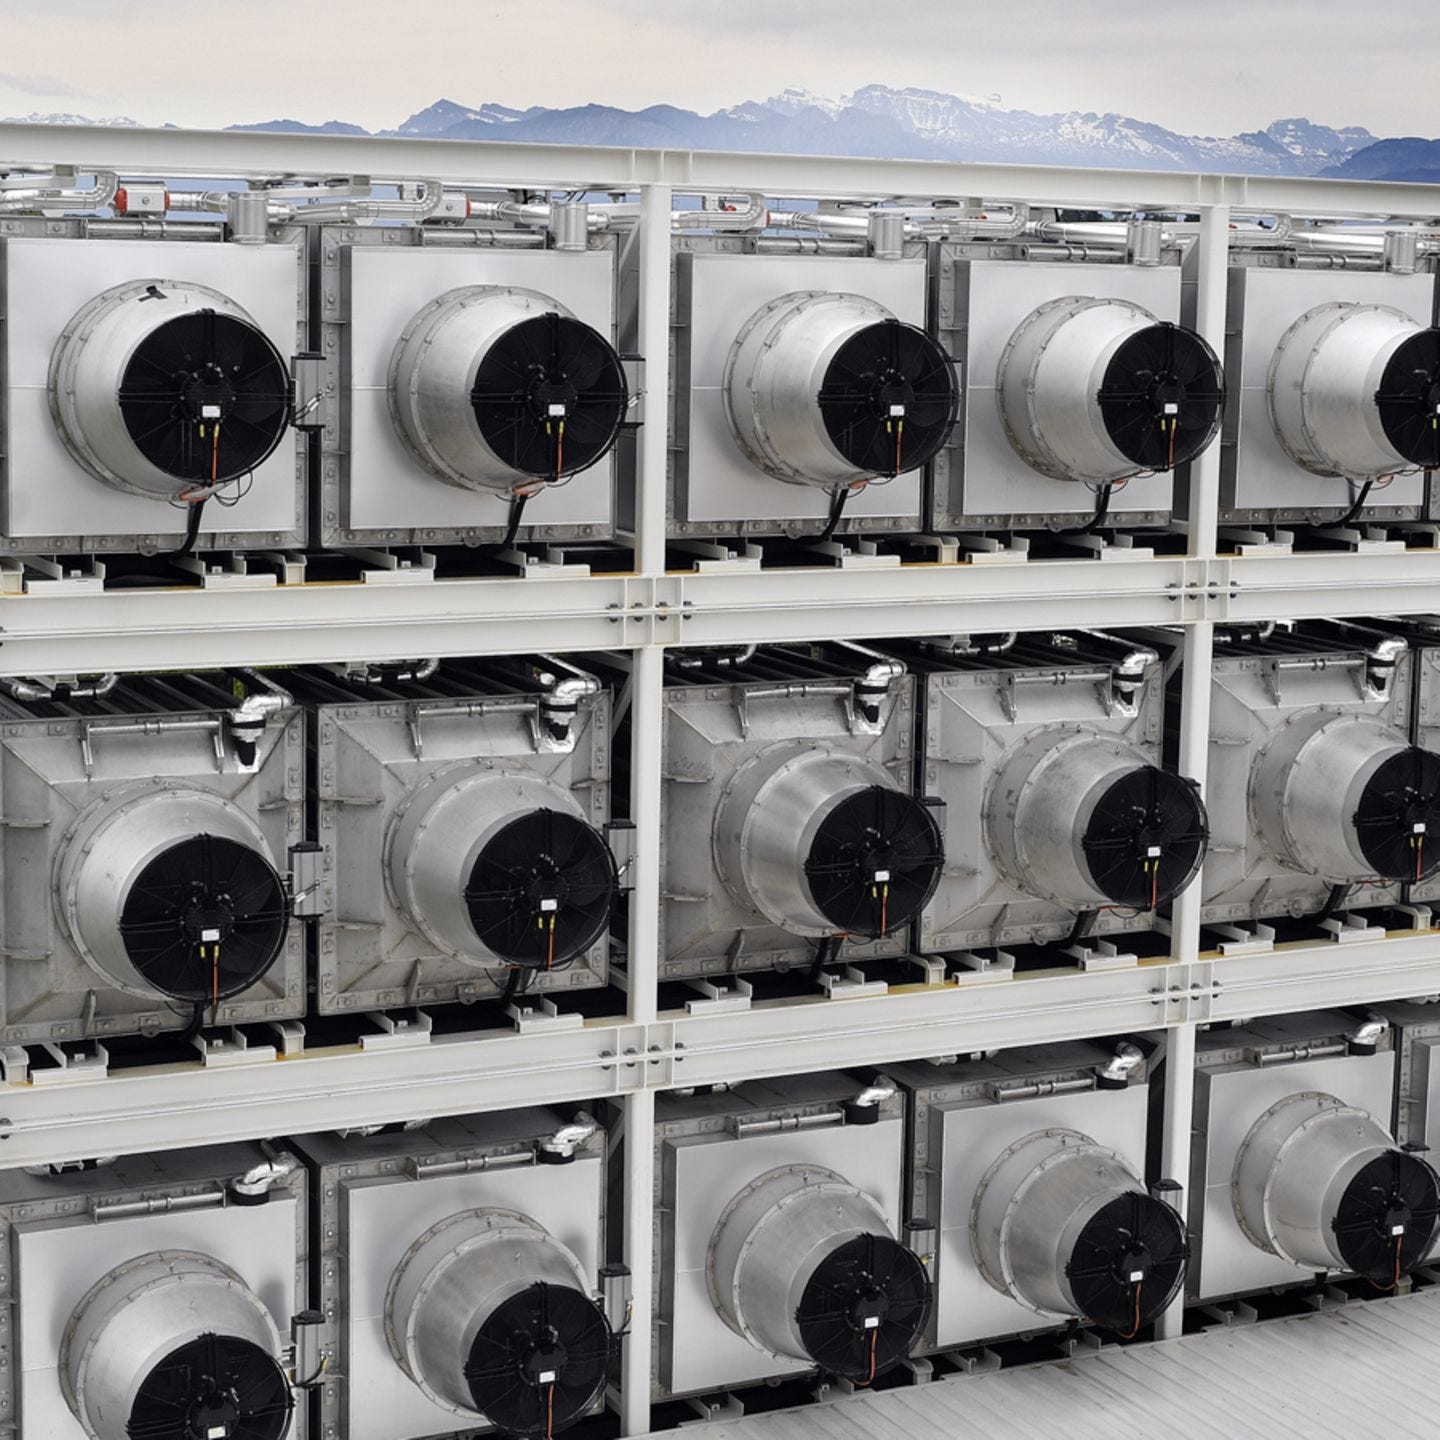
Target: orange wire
[[1154, 883], [215, 454], [560, 450], [884, 909], [550, 1415], [550, 953], [1171, 464], [1135, 1323], [1418, 841], [215, 984]]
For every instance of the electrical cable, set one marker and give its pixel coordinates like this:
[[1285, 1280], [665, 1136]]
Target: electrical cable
[[1352, 512], [837, 509]]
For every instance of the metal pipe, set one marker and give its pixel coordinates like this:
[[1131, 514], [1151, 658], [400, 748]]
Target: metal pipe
[[262, 1178], [33, 197]]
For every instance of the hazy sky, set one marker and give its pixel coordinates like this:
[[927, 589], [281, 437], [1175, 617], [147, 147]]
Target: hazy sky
[[1202, 66]]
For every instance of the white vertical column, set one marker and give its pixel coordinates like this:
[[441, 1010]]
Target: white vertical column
[[1193, 758], [646, 721]]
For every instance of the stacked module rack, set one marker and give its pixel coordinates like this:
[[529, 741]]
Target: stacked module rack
[[790, 824], [461, 809], [808, 398], [461, 1271], [147, 854], [480, 391], [148, 390], [1045, 751]]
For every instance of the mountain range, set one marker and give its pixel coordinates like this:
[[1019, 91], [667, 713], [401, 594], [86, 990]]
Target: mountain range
[[882, 121]]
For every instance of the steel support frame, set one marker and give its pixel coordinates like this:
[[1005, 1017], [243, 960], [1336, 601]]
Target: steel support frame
[[55, 1115]]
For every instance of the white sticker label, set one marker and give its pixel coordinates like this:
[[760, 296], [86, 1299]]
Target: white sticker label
[[1171, 408], [1418, 827], [897, 412], [1136, 1276], [217, 1432], [556, 412], [209, 935], [548, 1377], [872, 1322], [1152, 852], [1397, 1229], [881, 876], [210, 412], [546, 906]]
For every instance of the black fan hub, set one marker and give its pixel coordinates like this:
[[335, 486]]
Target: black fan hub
[[547, 392], [545, 1363], [1144, 837], [874, 862], [1127, 1262], [214, 1416], [191, 890], [880, 366], [1409, 399], [208, 918], [1397, 821], [203, 392], [198, 362], [864, 1307], [1161, 396], [1386, 1219]]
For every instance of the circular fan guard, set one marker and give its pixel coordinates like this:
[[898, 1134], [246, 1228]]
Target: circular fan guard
[[216, 1387], [864, 1307], [540, 891], [874, 862], [1409, 399], [549, 396], [205, 919], [205, 397], [1397, 821], [1131, 1236], [1145, 838], [889, 398], [1162, 396], [1393, 1192], [544, 1331]]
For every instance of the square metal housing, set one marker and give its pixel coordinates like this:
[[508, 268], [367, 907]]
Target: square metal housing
[[1239, 1074], [963, 1116], [974, 719], [372, 281], [63, 1233], [980, 482], [704, 1157], [714, 489], [1259, 482], [377, 1194], [369, 759], [711, 732], [56, 771], [48, 271]]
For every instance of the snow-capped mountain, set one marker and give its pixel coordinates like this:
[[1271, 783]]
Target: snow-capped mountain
[[61, 118], [880, 121]]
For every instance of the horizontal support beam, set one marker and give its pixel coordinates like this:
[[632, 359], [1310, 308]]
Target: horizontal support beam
[[241, 154]]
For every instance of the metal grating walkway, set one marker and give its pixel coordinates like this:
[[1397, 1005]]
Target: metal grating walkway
[[1364, 1370]]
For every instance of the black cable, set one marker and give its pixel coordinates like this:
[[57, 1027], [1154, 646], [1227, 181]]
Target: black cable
[[1334, 901], [1351, 513], [517, 984], [826, 953], [192, 527], [1102, 509], [517, 509], [1084, 919], [837, 509], [197, 1019]]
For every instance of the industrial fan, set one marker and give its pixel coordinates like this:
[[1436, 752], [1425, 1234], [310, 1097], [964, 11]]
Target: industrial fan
[[540, 891], [889, 398], [1145, 837], [549, 396], [205, 919], [1386, 1219], [216, 1387], [205, 397], [864, 1307], [539, 1361], [1162, 396], [875, 861], [1409, 399], [1127, 1263], [1398, 812]]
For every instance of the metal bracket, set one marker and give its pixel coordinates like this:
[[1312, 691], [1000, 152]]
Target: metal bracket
[[404, 1031]]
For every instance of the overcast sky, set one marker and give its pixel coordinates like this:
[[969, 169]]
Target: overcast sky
[[1202, 66]]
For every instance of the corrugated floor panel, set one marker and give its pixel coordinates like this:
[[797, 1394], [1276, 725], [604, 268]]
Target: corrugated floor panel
[[1364, 1370]]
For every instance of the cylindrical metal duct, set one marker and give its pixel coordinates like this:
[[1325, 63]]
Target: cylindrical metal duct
[[828, 389], [486, 1299], [1066, 1227], [1354, 390], [820, 842], [171, 1334], [1347, 798], [1084, 820], [163, 387], [804, 1266], [500, 867], [172, 891], [1100, 390], [498, 389], [1321, 1184]]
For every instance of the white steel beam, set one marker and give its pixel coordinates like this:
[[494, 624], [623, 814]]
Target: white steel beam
[[209, 153]]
